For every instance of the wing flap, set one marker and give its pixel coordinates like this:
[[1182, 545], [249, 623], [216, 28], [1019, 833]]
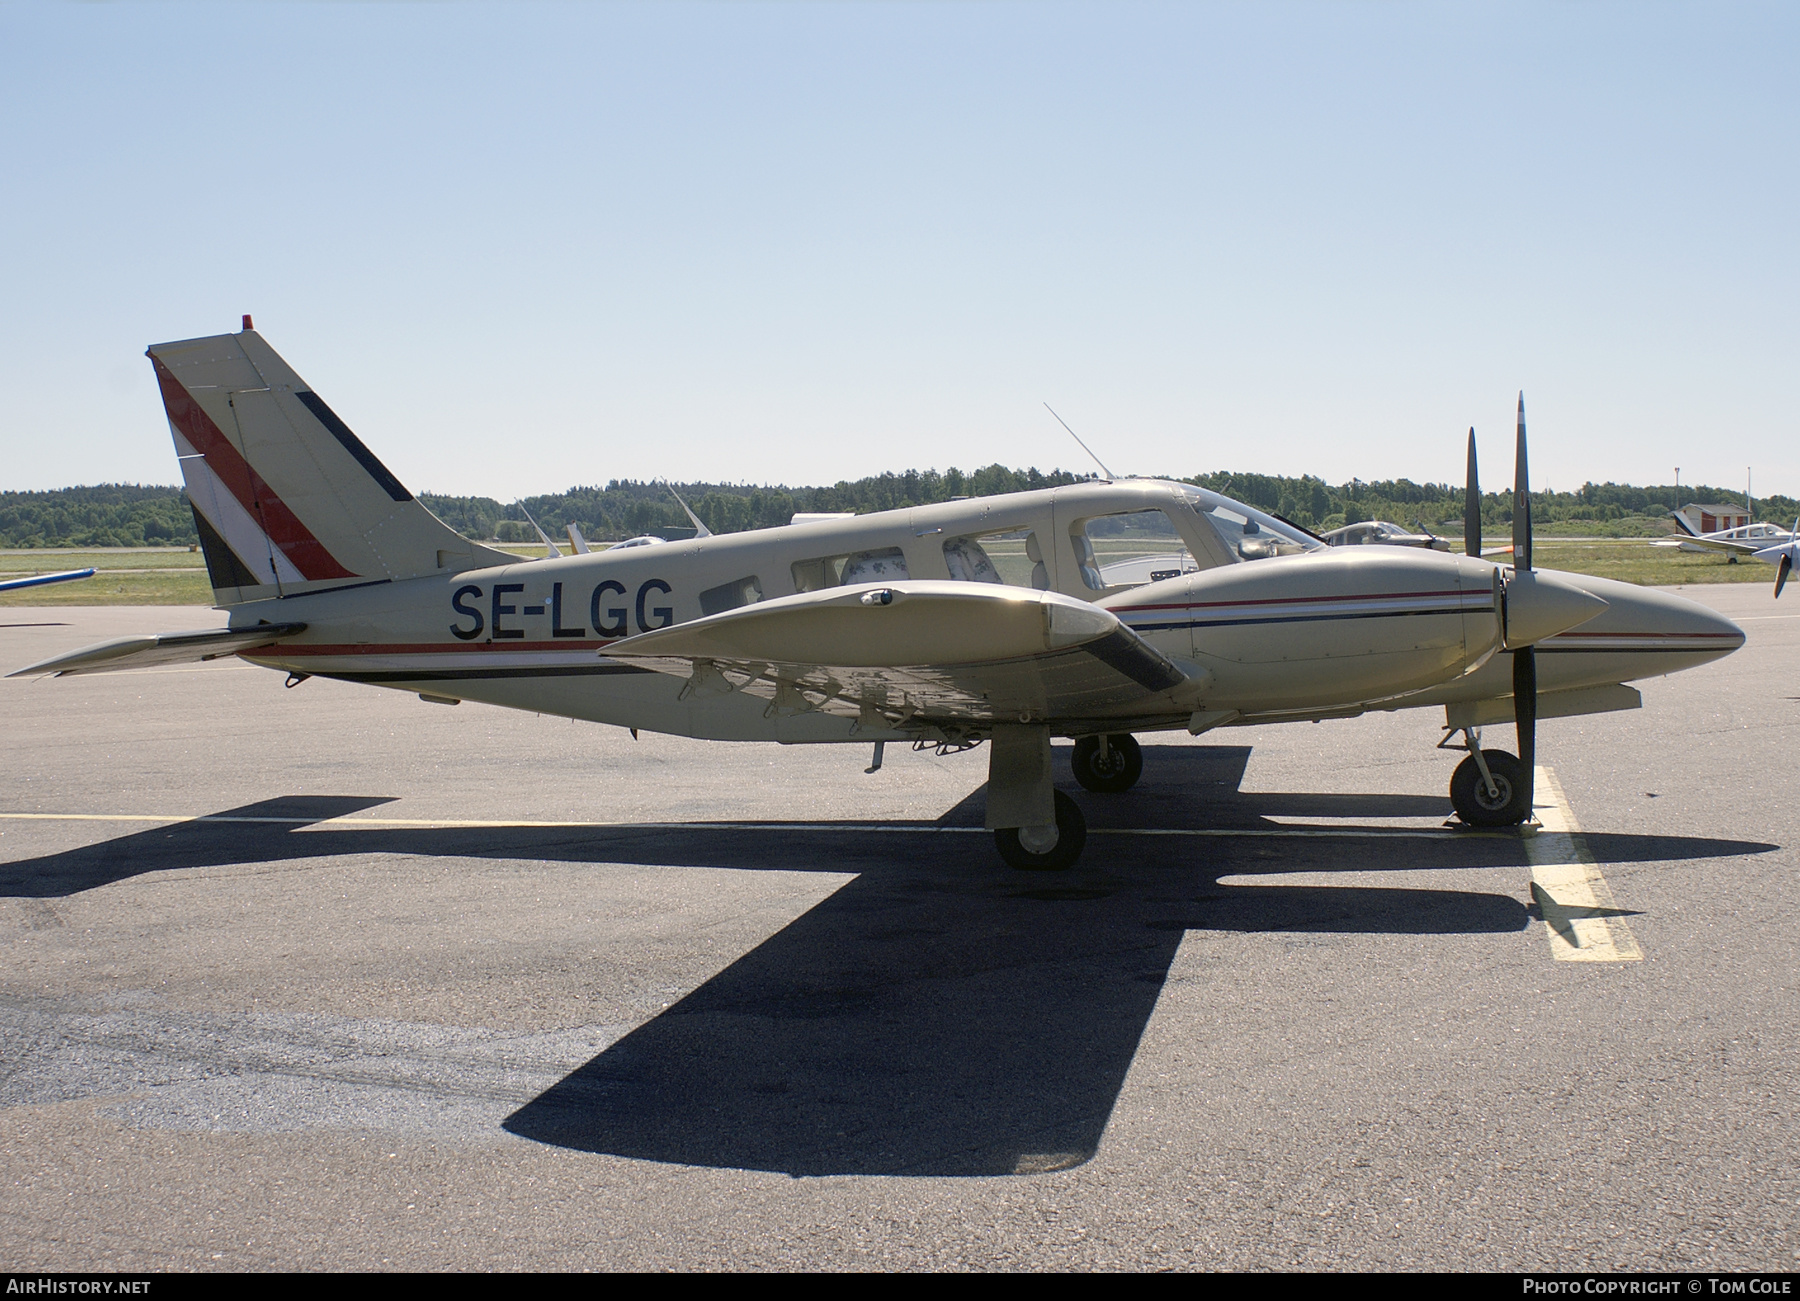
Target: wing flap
[[152, 650]]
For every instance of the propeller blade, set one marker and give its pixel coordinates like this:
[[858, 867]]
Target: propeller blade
[[1525, 715], [1472, 505], [1521, 520], [1787, 563]]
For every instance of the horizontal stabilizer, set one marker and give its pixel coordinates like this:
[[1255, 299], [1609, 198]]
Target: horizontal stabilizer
[[155, 649]]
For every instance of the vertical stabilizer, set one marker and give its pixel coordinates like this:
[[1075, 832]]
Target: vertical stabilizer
[[286, 499]]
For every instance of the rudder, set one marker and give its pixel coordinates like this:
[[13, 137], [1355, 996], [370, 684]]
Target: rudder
[[286, 498]]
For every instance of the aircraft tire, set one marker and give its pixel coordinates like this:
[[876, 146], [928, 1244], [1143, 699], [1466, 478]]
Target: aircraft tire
[[1071, 835], [1114, 774], [1468, 793]]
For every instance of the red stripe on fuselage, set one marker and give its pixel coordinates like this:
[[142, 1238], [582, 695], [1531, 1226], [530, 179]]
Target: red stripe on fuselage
[[284, 528]]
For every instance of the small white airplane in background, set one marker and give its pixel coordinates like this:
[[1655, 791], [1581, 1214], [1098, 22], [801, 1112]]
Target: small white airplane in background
[[991, 619], [1744, 540]]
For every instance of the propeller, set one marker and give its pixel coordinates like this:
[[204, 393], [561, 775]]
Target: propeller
[[1472, 505], [1787, 554], [1533, 606], [1525, 657]]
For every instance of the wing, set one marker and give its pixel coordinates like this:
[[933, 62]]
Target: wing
[[1709, 544], [924, 653], [155, 649], [39, 580]]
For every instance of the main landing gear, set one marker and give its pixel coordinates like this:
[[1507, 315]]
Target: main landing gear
[[1049, 848], [1108, 765], [1489, 788], [1036, 827]]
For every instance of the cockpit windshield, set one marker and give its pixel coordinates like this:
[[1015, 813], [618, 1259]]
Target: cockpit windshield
[[1250, 533]]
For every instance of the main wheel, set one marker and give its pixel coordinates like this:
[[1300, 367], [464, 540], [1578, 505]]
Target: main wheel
[[1507, 806], [1030, 853], [1113, 772]]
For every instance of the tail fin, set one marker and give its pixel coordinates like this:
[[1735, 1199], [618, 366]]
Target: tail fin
[[286, 498]]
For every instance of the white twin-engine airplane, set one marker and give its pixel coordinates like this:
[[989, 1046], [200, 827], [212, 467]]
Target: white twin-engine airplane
[[896, 626]]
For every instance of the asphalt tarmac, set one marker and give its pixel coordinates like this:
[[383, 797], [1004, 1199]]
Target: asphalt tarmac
[[334, 978]]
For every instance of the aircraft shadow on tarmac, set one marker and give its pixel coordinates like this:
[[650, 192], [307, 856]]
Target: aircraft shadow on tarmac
[[940, 1014]]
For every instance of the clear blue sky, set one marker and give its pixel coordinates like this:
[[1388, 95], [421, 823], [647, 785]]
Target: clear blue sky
[[519, 248]]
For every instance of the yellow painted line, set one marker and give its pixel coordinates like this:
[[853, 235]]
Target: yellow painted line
[[1580, 915], [910, 828]]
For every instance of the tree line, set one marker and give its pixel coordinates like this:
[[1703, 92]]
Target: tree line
[[136, 515]]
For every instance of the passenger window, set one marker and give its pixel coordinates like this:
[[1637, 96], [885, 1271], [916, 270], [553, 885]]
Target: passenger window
[[815, 575], [885, 565], [1040, 575], [969, 562], [1012, 557], [729, 596], [1129, 549]]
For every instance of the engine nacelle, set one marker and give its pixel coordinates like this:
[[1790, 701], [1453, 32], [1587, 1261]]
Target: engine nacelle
[[1325, 630]]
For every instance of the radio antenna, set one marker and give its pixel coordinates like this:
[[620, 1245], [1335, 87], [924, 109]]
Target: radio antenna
[[1084, 447]]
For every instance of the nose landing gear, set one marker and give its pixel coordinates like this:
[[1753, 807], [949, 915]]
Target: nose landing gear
[[1489, 788]]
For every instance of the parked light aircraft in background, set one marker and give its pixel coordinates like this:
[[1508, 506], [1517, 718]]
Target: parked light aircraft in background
[[1007, 619], [1745, 540], [40, 580], [1381, 533]]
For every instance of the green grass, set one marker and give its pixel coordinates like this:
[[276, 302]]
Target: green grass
[[127, 576], [1633, 560]]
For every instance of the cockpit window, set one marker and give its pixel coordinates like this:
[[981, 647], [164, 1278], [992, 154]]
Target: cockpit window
[[1129, 549], [1250, 533]]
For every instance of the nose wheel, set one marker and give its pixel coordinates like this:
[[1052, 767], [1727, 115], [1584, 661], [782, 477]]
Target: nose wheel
[[1498, 797], [1108, 765]]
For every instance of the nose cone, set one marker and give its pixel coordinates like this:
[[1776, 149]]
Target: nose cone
[[1540, 605]]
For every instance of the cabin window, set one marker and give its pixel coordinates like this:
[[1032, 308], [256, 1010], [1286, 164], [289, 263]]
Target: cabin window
[[1129, 549], [885, 565], [729, 596], [1006, 557]]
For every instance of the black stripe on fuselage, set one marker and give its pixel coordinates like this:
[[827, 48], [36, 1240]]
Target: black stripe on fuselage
[[1307, 618]]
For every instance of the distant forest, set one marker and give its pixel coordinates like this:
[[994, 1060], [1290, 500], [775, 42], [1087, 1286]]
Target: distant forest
[[133, 515]]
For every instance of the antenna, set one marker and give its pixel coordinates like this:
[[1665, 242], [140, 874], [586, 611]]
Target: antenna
[[1084, 447], [554, 553], [700, 530]]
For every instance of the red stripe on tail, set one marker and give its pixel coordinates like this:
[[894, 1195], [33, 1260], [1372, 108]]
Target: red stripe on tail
[[284, 528]]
